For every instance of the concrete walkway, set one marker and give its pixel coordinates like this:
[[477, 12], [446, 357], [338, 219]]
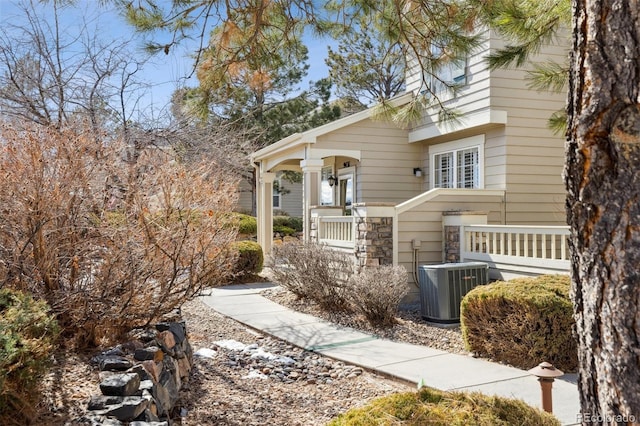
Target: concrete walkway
[[437, 369]]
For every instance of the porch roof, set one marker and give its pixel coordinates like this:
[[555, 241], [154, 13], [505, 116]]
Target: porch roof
[[298, 140]]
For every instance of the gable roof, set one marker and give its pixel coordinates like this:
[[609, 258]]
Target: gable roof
[[310, 136]]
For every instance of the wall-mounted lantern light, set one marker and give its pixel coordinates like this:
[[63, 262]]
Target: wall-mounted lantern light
[[417, 171], [332, 180]]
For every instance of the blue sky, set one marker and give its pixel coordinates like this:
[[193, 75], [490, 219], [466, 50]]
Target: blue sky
[[165, 72]]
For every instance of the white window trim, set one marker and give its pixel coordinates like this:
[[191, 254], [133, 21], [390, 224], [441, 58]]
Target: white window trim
[[345, 174], [458, 145]]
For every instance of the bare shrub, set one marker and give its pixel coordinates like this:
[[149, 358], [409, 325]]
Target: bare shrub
[[108, 244], [313, 271], [376, 292]]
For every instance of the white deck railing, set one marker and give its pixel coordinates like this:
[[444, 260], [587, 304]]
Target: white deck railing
[[336, 231], [525, 248]]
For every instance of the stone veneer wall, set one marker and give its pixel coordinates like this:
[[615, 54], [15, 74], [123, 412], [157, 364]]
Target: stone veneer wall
[[452, 222], [140, 381], [374, 241], [452, 244]]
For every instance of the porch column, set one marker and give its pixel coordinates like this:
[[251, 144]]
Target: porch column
[[374, 233], [265, 211], [311, 169], [453, 232]]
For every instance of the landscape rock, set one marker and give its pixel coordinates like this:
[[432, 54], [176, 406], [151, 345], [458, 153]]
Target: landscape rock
[[100, 402], [178, 330], [153, 369], [140, 371], [167, 341], [97, 420], [147, 392], [153, 353], [115, 363], [168, 381], [129, 409], [120, 385]]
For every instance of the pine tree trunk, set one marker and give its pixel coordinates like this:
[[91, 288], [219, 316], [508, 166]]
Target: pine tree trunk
[[603, 206]]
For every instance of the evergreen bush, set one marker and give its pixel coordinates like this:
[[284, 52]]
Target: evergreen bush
[[522, 322], [284, 230], [27, 337], [294, 223], [250, 258], [247, 224], [440, 408]]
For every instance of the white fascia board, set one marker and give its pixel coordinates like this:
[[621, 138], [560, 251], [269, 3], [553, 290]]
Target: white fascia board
[[354, 118], [275, 148], [436, 192], [310, 136], [467, 121], [322, 153], [290, 153]]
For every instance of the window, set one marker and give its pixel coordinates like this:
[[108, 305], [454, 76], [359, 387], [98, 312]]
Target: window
[[449, 74], [326, 190], [277, 197], [458, 164], [468, 168]]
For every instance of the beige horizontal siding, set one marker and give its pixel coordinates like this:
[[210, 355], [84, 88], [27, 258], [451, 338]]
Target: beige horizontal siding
[[291, 203], [534, 156], [424, 223], [385, 169], [245, 200], [473, 96]]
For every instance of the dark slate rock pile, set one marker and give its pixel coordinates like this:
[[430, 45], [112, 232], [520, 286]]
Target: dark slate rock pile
[[140, 381]]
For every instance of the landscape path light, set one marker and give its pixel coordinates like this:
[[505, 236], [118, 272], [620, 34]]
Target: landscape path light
[[546, 374]]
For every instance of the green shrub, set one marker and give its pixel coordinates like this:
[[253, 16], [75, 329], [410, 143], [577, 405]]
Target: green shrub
[[522, 322], [27, 336], [284, 230], [246, 224], [250, 258], [440, 408], [294, 223]]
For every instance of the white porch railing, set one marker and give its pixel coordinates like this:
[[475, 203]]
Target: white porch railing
[[530, 249], [336, 231]]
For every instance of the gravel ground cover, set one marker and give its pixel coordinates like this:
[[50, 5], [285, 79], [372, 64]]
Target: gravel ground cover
[[243, 377]]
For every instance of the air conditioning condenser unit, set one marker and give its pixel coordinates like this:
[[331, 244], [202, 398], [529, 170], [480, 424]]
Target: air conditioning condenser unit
[[443, 286]]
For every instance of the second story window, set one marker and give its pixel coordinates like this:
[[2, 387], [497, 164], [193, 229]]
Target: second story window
[[447, 74]]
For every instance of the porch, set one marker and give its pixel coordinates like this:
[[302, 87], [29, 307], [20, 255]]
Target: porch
[[373, 235]]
